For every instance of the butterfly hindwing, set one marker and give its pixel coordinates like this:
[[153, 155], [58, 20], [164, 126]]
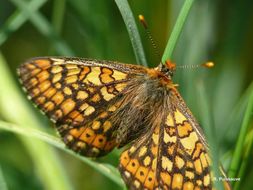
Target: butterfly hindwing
[[138, 163], [80, 96], [173, 156]]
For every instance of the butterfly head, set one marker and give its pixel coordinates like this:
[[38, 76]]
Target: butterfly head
[[168, 68]]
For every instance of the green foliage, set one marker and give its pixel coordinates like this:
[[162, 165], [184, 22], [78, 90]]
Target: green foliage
[[221, 98], [177, 30], [132, 30], [3, 185]]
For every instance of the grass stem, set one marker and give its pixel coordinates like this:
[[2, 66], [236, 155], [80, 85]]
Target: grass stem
[[177, 30]]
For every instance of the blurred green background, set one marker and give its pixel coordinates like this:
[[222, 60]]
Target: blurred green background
[[218, 31]]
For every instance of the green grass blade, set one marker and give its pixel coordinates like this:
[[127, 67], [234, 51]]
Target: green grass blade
[[32, 132], [17, 19], [107, 170], [58, 15], [177, 30], [236, 116], [245, 160], [57, 19], [44, 27], [13, 108], [236, 159], [3, 185], [134, 35]]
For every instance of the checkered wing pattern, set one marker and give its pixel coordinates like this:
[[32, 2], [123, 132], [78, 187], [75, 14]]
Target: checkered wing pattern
[[172, 156], [80, 96]]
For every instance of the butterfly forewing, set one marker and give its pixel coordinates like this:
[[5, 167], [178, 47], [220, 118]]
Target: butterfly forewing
[[80, 96]]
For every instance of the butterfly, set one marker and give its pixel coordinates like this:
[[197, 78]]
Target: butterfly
[[101, 105]]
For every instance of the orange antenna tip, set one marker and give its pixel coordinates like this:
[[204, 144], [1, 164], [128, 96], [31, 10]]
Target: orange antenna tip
[[208, 65], [143, 21]]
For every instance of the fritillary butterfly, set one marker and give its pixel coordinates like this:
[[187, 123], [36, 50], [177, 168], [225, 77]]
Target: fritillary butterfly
[[99, 105]]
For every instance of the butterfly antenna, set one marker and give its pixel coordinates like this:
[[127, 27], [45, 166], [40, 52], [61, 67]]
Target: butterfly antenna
[[206, 65], [149, 35]]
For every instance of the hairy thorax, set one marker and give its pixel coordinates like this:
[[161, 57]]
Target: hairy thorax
[[143, 105]]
